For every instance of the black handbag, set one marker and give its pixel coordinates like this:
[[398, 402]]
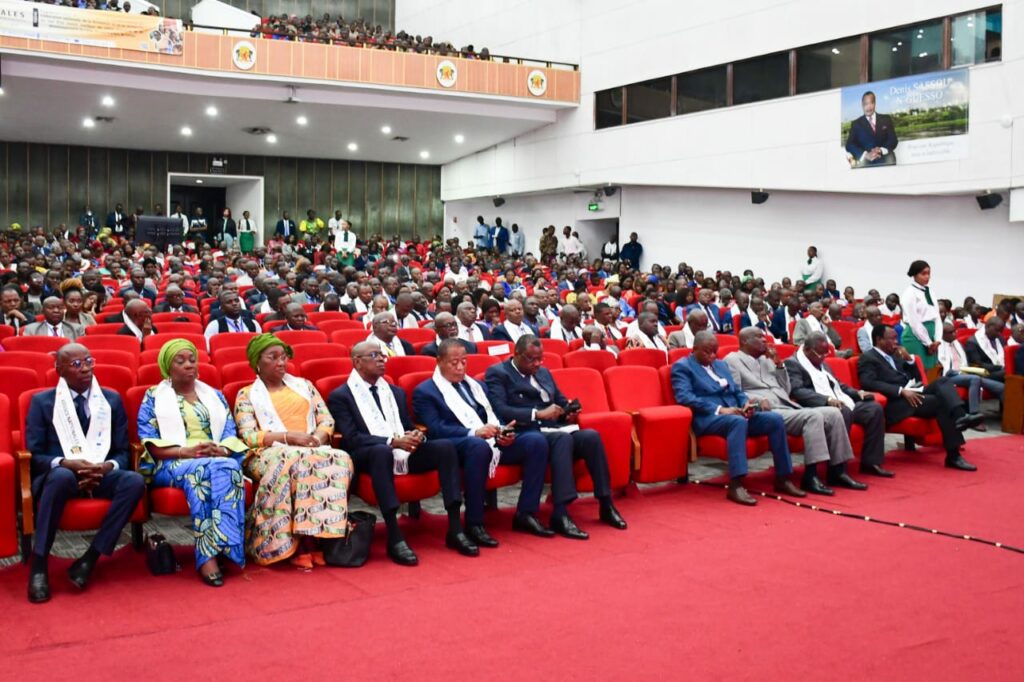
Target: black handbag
[[160, 556], [353, 550]]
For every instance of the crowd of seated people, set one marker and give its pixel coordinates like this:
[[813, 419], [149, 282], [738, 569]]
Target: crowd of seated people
[[745, 357], [106, 5]]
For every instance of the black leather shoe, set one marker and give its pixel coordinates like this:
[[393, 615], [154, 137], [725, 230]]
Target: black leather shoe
[[969, 421], [38, 588], [461, 544], [843, 480], [814, 485], [528, 523], [567, 528], [739, 495], [786, 487], [79, 572], [875, 470], [213, 580], [960, 463], [480, 536], [612, 517], [401, 553]]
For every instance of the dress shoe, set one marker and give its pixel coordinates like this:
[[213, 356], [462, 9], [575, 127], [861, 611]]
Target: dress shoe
[[528, 523], [739, 495], [843, 480], [38, 588], [567, 528], [969, 420], [79, 572], [786, 487], [875, 470], [814, 485], [480, 536], [958, 462], [213, 580], [612, 517], [461, 544], [401, 553]]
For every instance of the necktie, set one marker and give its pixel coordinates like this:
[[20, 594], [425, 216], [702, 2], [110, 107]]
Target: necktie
[[83, 419], [54, 331], [872, 122], [928, 295], [711, 318], [376, 398], [467, 395]]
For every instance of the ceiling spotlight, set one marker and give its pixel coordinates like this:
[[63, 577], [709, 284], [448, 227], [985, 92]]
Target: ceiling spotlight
[[424, 154], [107, 101], [386, 130], [835, 50], [460, 138], [211, 111], [302, 120], [88, 123], [199, 181], [923, 55], [352, 146], [186, 131], [272, 138]]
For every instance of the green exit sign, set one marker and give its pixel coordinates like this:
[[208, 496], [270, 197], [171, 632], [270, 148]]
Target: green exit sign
[[593, 206]]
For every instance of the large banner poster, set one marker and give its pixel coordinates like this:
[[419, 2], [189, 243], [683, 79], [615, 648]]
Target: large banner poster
[[90, 27], [915, 119]]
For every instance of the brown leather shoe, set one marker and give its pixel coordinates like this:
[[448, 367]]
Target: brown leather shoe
[[739, 495], [786, 487]]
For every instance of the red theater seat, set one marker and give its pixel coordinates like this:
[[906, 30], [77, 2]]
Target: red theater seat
[[148, 357], [157, 341], [103, 328], [127, 344], [304, 352], [179, 328], [416, 335], [161, 319], [645, 357], [149, 375], [557, 346], [477, 364], [121, 358], [324, 367], [349, 337], [293, 337], [230, 340], [408, 383], [402, 364], [591, 359], [33, 344]]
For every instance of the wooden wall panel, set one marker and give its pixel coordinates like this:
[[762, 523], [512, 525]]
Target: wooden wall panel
[[38, 185], [374, 196], [272, 191], [78, 179], [289, 190], [4, 220], [339, 188], [357, 197], [59, 186], [422, 206], [140, 185], [158, 181], [117, 185], [305, 186], [322, 200], [389, 199], [406, 200], [97, 195]]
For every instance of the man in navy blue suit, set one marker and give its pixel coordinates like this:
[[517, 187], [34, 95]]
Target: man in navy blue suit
[[446, 327], [710, 309], [68, 465], [705, 385], [872, 139], [523, 391], [455, 407], [350, 405]]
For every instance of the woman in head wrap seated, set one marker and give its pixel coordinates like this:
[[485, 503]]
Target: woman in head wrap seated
[[189, 436], [303, 483]]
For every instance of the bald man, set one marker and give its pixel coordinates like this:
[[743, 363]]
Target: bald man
[[138, 320]]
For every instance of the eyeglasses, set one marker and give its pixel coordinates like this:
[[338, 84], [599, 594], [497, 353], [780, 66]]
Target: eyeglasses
[[373, 355], [83, 362]]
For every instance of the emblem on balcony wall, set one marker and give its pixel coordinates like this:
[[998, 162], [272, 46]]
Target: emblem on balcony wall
[[447, 74], [537, 83], [243, 54]]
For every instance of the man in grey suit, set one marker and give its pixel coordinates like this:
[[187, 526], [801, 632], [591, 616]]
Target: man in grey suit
[[761, 375], [818, 321], [53, 323]]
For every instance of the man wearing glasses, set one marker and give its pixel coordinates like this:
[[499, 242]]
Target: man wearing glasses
[[78, 436], [446, 327]]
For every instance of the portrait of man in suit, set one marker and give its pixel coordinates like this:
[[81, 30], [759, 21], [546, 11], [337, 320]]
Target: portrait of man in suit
[[872, 139]]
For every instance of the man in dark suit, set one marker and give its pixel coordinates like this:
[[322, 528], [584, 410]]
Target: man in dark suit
[[446, 327], [285, 226], [705, 385], [138, 321], [455, 407], [117, 220], [375, 454], [514, 327], [523, 391], [860, 408], [138, 285], [58, 477], [991, 356], [872, 138], [1017, 335], [888, 369], [174, 302], [385, 335], [710, 309]]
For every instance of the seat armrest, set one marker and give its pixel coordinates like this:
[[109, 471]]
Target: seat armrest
[[24, 469]]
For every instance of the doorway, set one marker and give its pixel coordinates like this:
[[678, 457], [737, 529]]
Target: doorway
[[213, 193], [594, 233], [211, 200]]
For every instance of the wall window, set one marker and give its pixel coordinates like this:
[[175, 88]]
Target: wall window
[[906, 51], [761, 78], [649, 100], [701, 90], [977, 37], [608, 108], [827, 66]]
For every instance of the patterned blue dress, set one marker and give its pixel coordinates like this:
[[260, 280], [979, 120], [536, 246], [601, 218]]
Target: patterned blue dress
[[214, 486]]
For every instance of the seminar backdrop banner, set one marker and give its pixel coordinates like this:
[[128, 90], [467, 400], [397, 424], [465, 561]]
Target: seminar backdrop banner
[[90, 27], [915, 119]]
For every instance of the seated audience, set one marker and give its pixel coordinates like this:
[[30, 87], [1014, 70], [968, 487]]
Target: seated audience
[[952, 358], [595, 339], [985, 351], [647, 333], [53, 323], [137, 283], [74, 304], [138, 321], [513, 327], [385, 336], [174, 302], [469, 329], [446, 327], [567, 325], [233, 319], [696, 322]]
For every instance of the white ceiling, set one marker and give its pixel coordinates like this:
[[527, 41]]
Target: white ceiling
[[45, 100]]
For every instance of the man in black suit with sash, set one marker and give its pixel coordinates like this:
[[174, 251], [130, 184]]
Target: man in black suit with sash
[[446, 327], [521, 389]]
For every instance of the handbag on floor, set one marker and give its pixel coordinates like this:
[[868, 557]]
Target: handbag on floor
[[160, 556], [353, 550]]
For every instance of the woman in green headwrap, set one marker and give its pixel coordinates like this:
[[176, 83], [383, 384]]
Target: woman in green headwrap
[[303, 483], [189, 435]]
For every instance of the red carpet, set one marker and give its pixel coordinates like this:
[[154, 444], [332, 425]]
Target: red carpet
[[697, 588]]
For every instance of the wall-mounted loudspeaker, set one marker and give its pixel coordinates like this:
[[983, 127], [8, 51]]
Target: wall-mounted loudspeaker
[[987, 200], [758, 197], [498, 201]]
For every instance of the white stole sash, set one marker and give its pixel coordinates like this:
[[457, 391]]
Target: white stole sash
[[514, 331], [131, 325], [466, 415], [266, 413], [93, 447], [824, 383], [655, 343], [168, 415], [386, 425]]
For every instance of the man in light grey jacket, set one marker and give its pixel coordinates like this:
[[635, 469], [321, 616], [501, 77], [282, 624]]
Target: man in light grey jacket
[[53, 323]]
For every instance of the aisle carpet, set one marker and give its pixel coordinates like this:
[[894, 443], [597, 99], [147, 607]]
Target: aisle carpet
[[697, 588]]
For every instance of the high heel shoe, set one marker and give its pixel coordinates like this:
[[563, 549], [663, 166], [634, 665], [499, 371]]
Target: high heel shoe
[[318, 559], [213, 579]]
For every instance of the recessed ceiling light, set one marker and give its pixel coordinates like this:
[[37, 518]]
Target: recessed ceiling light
[[460, 138], [199, 181], [107, 101], [923, 55], [895, 49], [424, 154], [88, 123], [352, 146], [302, 120], [1, 91], [386, 130], [211, 111], [835, 50], [272, 138], [186, 131]]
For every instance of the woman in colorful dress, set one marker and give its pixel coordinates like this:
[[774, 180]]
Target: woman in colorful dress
[[303, 483], [189, 436]]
